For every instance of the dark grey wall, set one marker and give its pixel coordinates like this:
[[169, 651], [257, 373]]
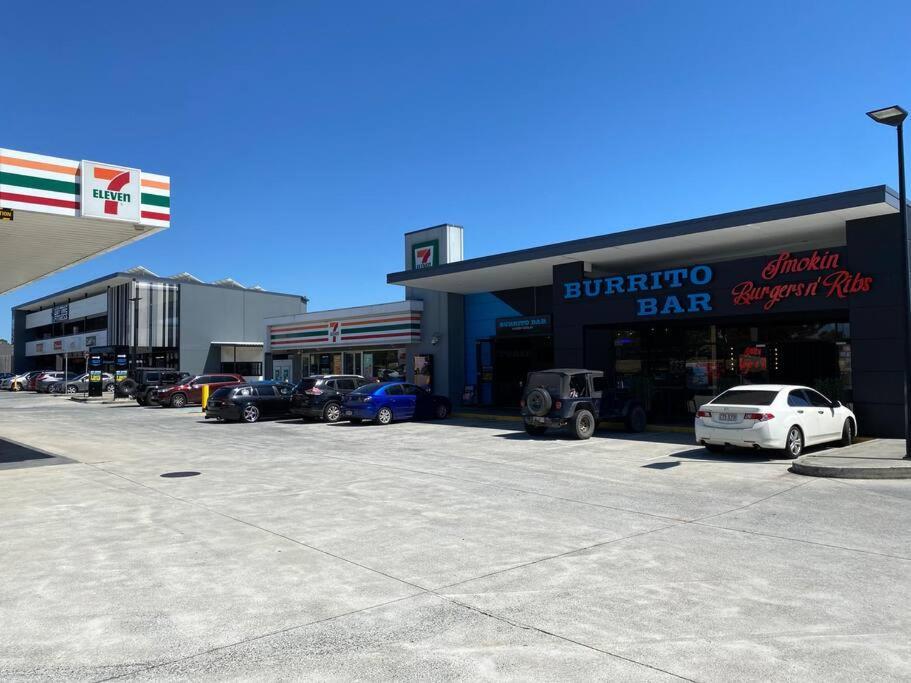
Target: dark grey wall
[[210, 314], [878, 326], [444, 315], [20, 362]]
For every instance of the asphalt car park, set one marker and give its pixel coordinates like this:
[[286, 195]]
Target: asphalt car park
[[440, 549]]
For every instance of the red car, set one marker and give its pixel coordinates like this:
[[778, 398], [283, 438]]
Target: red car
[[33, 380], [190, 391]]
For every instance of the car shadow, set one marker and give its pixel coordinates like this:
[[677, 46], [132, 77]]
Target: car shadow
[[670, 438]]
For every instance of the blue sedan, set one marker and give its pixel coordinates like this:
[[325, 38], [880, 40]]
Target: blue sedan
[[383, 402]]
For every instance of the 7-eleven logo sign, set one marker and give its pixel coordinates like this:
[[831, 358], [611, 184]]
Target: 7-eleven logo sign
[[335, 332], [111, 192], [425, 255]]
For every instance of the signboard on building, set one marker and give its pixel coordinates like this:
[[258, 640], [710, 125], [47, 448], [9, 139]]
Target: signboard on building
[[784, 282], [6, 214], [524, 325], [60, 313], [425, 254], [110, 192]]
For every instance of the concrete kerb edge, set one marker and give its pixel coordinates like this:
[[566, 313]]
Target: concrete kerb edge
[[835, 472]]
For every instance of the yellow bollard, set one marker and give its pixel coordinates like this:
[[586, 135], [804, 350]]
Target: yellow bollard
[[205, 396]]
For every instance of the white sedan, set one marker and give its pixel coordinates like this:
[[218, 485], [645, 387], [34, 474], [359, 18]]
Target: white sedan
[[778, 416]]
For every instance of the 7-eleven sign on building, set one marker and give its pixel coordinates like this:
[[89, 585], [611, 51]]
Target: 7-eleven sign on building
[[425, 254], [112, 192]]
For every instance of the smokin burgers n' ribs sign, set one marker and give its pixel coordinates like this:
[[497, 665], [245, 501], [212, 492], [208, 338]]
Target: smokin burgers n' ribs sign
[[825, 277]]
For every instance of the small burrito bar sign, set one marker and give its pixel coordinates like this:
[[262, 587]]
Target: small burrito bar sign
[[820, 279]]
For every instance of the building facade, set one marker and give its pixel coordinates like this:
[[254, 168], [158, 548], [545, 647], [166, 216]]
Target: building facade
[[806, 292], [178, 322], [419, 339]]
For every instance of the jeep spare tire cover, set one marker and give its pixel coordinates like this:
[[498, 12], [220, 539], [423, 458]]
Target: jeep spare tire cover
[[125, 387], [538, 402]]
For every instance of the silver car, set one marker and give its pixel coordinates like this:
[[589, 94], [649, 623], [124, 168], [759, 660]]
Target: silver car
[[80, 384], [43, 385]]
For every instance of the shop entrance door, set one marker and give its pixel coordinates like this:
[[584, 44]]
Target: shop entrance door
[[352, 363], [514, 358], [281, 370]]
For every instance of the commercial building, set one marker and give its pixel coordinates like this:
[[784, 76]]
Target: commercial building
[[420, 338], [56, 213], [179, 322], [6, 357], [806, 292]]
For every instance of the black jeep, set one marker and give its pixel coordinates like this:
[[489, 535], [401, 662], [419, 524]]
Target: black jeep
[[578, 400], [144, 382]]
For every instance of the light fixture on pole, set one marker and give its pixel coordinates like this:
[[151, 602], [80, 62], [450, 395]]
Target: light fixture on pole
[[895, 116]]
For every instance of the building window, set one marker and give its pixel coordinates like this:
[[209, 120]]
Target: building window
[[247, 369]]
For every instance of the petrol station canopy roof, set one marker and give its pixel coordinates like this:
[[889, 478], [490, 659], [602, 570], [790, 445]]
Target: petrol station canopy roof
[[817, 222], [56, 213]]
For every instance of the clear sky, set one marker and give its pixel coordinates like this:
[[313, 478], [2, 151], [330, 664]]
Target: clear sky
[[304, 138]]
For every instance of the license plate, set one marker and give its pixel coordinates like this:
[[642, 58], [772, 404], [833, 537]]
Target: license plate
[[727, 417]]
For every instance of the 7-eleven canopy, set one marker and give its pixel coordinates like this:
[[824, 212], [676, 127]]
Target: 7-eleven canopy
[[55, 213]]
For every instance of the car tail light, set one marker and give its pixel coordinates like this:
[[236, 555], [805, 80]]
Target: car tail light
[[314, 391], [558, 404], [759, 417], [703, 413]]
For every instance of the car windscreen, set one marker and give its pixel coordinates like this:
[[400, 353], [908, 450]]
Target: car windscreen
[[367, 388], [551, 381], [746, 397], [306, 383], [223, 392]]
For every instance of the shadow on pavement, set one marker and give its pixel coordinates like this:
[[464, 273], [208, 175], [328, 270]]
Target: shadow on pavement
[[15, 455]]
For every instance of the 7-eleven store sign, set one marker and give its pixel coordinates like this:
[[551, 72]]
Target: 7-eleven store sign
[[335, 332], [112, 192]]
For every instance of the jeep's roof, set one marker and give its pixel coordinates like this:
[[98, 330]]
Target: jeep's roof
[[569, 371]]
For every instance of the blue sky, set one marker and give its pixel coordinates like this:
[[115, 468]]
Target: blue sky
[[304, 138]]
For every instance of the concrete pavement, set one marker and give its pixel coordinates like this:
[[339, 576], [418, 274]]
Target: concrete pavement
[[434, 550]]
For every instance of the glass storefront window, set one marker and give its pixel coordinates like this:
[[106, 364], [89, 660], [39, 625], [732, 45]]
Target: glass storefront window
[[674, 370], [382, 365], [388, 365]]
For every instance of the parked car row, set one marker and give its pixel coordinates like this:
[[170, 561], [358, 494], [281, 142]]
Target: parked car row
[[787, 418], [330, 398], [51, 382]]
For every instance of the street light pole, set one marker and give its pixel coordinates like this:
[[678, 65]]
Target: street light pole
[[895, 116], [135, 299]]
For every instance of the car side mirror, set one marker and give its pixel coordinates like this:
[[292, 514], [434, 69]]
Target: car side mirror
[[836, 404]]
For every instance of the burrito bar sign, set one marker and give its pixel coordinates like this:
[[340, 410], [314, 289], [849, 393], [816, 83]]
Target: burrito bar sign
[[787, 282]]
